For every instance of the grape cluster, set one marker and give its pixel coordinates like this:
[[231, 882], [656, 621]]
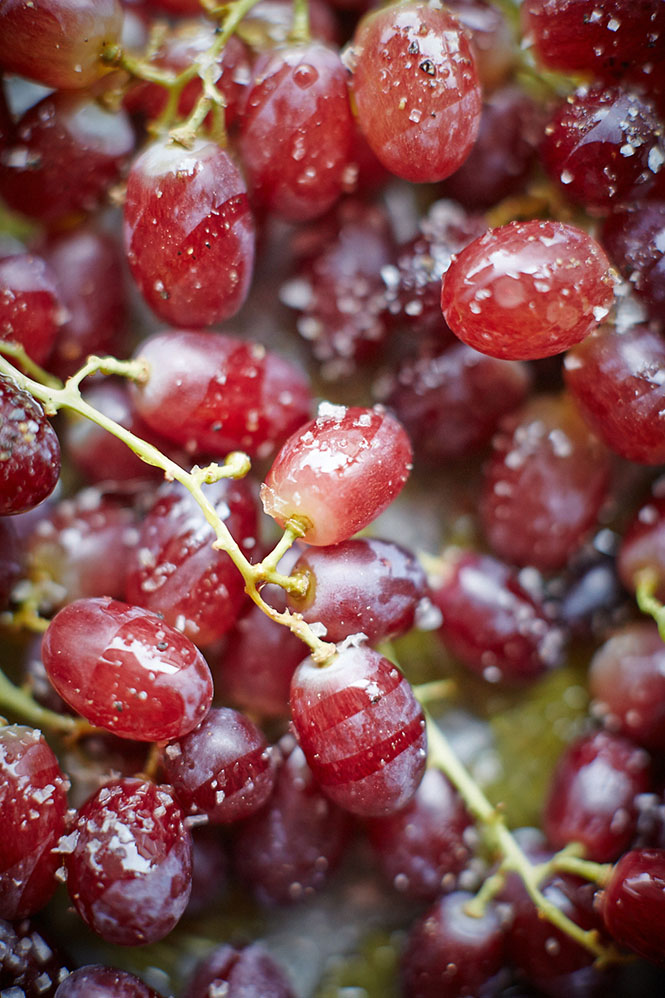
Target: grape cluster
[[332, 518]]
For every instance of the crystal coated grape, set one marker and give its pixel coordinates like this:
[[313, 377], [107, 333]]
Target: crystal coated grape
[[124, 669], [189, 232], [239, 973], [129, 862], [627, 681], [29, 962], [415, 86], [338, 472], [450, 953], [421, 848], [527, 290], [642, 548], [67, 152], [58, 42], [96, 981], [633, 903], [452, 402], [288, 849], [544, 484], [213, 393], [33, 802], [366, 586], [223, 769], [29, 451], [361, 729], [31, 306], [603, 147], [591, 798], [615, 378], [174, 569], [490, 621], [298, 169]]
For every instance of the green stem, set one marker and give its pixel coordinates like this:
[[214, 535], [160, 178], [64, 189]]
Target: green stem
[[646, 584], [300, 27], [17, 352], [500, 841], [438, 689], [21, 704]]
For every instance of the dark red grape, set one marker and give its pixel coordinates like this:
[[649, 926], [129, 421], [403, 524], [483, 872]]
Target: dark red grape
[[129, 862], [633, 902], [604, 147], [415, 87], [297, 169], [31, 304], [591, 799], [288, 850], [124, 669], [58, 43], [422, 848], [96, 981], [490, 621], [361, 729], [633, 238], [615, 378], [174, 569], [223, 769], [544, 484], [642, 548], [189, 232], [11, 560], [33, 802], [627, 681], [450, 954], [81, 546], [29, 451], [364, 586], [239, 973], [30, 964], [68, 151], [451, 403], [527, 290], [209, 870], [338, 472], [213, 393], [88, 268]]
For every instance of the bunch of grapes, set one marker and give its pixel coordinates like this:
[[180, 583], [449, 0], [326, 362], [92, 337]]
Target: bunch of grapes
[[332, 517]]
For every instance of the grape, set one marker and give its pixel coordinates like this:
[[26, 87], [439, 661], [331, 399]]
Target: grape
[[239, 973], [297, 170], [361, 729], [129, 862], [632, 902], [67, 152], [174, 569], [223, 769], [124, 669], [592, 795], [422, 847], [450, 953], [33, 799], [361, 586], [200, 195], [95, 981], [29, 451], [58, 42], [31, 305], [491, 38], [416, 90], [11, 561], [633, 238], [544, 484], [338, 472], [213, 393], [643, 547], [527, 290], [209, 870], [491, 623]]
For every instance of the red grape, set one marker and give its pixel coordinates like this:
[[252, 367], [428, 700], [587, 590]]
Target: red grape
[[95, 981], [361, 729], [416, 89], [29, 451], [30, 964], [642, 548], [124, 669], [129, 862], [338, 472], [633, 238], [527, 290], [31, 306], [189, 232], [633, 902], [239, 973]]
